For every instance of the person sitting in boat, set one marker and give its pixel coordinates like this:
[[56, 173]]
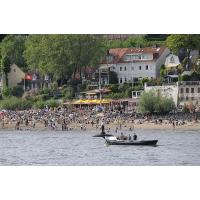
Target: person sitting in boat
[[134, 137], [129, 137], [123, 137]]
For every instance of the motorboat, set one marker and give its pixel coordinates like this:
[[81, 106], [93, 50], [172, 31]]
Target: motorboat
[[115, 141], [103, 135]]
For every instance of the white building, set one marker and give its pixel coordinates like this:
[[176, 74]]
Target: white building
[[182, 93], [131, 63], [172, 61], [189, 93]]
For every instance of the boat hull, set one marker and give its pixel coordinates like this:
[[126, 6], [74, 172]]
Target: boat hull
[[102, 135], [136, 143]]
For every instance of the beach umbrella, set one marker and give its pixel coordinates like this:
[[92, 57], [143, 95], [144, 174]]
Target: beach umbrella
[[78, 102], [105, 101]]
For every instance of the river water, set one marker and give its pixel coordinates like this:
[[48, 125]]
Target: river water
[[80, 148]]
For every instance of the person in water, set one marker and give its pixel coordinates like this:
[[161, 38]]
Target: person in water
[[102, 128]]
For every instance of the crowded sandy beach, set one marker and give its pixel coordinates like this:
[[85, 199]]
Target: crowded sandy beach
[[88, 118]]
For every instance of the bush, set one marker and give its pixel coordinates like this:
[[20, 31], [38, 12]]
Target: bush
[[40, 104], [152, 101], [148, 102], [116, 95], [6, 92], [14, 103], [45, 91], [17, 91], [114, 87], [68, 92]]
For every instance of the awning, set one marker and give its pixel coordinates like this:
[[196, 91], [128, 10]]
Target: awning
[[91, 102]]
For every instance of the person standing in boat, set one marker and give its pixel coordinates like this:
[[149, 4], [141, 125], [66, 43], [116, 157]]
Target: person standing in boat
[[102, 128]]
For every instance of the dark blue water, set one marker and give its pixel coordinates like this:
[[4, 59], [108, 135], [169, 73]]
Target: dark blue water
[[73, 148]]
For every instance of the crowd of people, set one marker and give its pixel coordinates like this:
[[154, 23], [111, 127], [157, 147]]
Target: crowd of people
[[87, 118]]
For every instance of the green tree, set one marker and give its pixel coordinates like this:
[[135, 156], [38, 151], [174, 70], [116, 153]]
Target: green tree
[[148, 102], [5, 64], [153, 101], [164, 105], [163, 71], [13, 46], [85, 50], [187, 41], [136, 41], [48, 54], [113, 78], [197, 67], [62, 55]]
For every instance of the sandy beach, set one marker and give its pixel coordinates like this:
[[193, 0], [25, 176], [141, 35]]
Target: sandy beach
[[108, 127]]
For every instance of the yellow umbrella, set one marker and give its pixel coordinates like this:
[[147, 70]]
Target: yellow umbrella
[[105, 101], [80, 101]]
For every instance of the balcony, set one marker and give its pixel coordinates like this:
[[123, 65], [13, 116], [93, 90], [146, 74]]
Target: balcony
[[184, 83]]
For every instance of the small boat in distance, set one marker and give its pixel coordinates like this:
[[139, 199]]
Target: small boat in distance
[[114, 141], [103, 135]]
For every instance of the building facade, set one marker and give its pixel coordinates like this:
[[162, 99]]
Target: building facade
[[189, 93], [135, 63], [15, 76], [182, 93]]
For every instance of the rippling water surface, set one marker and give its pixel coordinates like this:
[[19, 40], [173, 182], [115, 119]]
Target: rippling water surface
[[74, 148]]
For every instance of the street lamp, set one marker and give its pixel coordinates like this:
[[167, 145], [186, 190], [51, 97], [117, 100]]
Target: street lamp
[[100, 85]]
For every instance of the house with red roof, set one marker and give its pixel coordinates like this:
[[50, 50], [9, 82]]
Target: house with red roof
[[135, 63]]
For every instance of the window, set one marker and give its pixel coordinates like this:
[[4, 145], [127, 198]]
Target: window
[[120, 80], [187, 90], [125, 68], [120, 69], [182, 90], [147, 67], [134, 94], [186, 98], [198, 90], [140, 67], [125, 80], [192, 90], [192, 98], [132, 68], [172, 59]]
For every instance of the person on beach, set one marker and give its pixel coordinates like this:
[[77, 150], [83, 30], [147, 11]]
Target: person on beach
[[17, 125], [173, 123]]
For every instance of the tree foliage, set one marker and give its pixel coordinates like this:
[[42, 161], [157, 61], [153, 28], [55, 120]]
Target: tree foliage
[[187, 41], [13, 47], [153, 101], [136, 41], [62, 55], [5, 65]]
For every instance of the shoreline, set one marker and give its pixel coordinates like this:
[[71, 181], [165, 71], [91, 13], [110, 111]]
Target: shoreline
[[108, 127]]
